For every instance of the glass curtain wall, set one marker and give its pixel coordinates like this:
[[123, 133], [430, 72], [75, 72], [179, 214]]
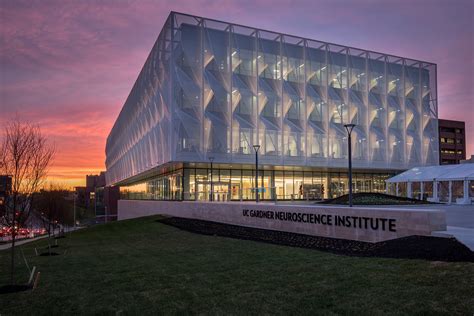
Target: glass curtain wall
[[316, 101], [395, 109], [210, 88], [194, 184], [234, 87]]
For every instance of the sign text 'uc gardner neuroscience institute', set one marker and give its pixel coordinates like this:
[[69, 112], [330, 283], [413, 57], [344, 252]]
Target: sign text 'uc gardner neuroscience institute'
[[360, 222]]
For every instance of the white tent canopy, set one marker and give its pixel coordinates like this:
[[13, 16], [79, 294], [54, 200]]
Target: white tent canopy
[[436, 173]]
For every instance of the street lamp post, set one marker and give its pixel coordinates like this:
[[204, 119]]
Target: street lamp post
[[211, 159], [75, 194], [349, 128], [256, 148]]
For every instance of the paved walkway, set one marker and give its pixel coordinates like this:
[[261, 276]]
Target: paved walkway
[[25, 241], [20, 242], [459, 222], [464, 235]]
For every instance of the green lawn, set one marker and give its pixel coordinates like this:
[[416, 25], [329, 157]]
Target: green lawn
[[144, 267]]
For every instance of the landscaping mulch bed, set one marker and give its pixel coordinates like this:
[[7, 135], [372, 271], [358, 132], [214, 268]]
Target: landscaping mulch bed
[[413, 247]]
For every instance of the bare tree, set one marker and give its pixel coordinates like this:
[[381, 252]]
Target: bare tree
[[25, 155]]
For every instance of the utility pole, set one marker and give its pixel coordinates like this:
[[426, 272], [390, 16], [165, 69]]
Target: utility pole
[[75, 194]]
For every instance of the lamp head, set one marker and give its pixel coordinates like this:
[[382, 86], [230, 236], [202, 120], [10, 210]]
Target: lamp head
[[256, 147], [349, 127], [211, 159]]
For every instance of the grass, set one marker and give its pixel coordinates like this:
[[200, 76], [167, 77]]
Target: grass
[[144, 267], [367, 198]]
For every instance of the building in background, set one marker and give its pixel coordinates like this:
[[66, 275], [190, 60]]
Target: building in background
[[452, 141], [211, 91], [93, 182], [98, 197]]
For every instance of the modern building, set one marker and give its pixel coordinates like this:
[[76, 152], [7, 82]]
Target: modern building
[[211, 91], [452, 141]]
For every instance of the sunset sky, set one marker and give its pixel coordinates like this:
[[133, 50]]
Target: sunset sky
[[69, 65]]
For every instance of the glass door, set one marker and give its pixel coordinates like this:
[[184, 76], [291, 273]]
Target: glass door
[[203, 190], [221, 191]]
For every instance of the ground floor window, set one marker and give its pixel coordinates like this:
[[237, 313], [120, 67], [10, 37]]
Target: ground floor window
[[221, 184]]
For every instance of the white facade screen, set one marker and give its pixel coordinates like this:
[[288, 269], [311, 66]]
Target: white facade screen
[[211, 88]]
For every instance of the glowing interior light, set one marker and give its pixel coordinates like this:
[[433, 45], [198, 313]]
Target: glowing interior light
[[233, 54]]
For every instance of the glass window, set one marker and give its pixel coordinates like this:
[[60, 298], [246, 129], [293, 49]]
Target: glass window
[[298, 185], [243, 62], [318, 114], [296, 111], [338, 77], [236, 184], [189, 184], [279, 185], [272, 141], [271, 108], [248, 186], [295, 69], [269, 66], [288, 185], [318, 145]]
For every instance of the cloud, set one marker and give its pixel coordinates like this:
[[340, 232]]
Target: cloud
[[69, 65]]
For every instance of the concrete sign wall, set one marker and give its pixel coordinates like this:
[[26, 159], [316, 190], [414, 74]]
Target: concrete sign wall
[[357, 223]]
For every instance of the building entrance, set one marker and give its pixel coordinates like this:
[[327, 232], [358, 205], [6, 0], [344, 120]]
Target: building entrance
[[222, 191]]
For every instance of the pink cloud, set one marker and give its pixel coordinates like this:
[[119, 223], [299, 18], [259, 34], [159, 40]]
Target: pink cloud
[[69, 65]]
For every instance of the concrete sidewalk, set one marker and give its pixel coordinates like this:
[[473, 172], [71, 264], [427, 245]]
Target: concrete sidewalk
[[462, 234], [459, 222], [20, 242], [25, 241]]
